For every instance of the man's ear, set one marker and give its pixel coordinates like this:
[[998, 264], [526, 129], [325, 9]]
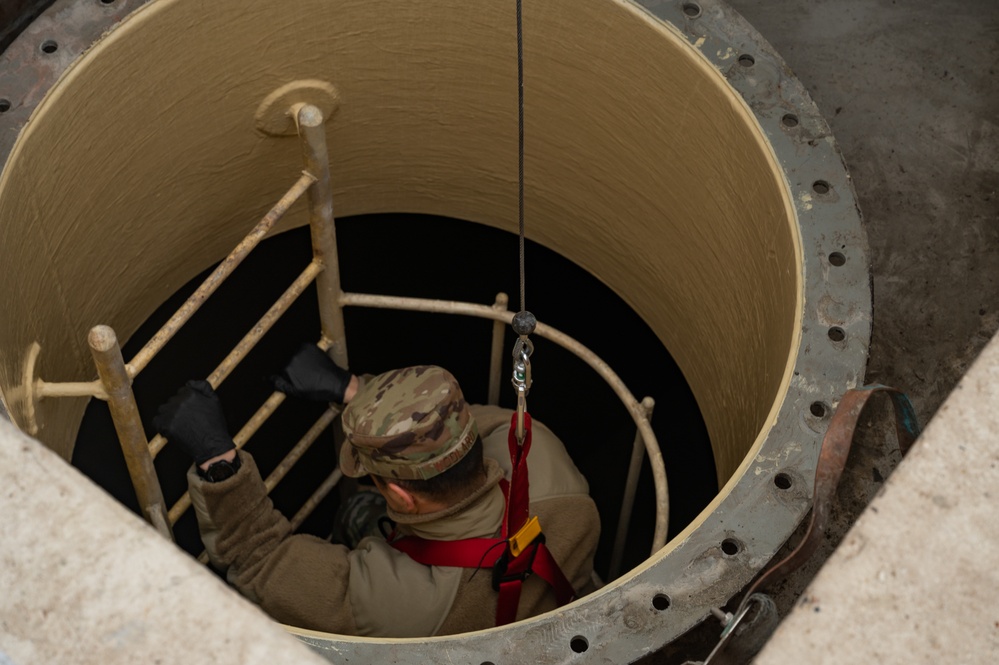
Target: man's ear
[[398, 498]]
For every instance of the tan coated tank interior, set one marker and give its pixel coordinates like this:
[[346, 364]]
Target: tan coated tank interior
[[143, 166]]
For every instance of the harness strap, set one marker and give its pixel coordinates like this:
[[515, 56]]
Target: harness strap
[[468, 553], [476, 553], [518, 500]]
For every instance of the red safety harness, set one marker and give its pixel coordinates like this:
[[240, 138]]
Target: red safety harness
[[519, 552]]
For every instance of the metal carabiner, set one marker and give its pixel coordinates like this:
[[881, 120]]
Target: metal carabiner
[[522, 351], [521, 379]]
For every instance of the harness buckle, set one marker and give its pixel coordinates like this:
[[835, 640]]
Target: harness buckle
[[525, 537], [502, 564]]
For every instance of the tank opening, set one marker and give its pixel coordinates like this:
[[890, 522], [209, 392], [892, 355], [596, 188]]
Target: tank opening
[[387, 254]]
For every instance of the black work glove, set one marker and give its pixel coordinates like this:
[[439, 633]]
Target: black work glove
[[193, 419], [311, 374]]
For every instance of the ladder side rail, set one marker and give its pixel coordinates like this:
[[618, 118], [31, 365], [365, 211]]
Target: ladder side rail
[[104, 347], [184, 313], [322, 227]]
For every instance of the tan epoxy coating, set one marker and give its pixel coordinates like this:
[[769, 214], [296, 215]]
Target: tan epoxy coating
[[142, 167]]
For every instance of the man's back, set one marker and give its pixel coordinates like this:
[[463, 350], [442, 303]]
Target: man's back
[[463, 598]]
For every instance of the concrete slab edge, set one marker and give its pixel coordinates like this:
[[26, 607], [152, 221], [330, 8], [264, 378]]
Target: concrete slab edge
[[86, 581]]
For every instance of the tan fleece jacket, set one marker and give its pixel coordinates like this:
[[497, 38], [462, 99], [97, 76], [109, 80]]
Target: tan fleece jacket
[[374, 590]]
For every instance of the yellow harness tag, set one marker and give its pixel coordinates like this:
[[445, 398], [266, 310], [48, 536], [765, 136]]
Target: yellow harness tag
[[527, 534]]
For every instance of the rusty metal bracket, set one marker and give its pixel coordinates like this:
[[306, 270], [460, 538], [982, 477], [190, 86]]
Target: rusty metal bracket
[[835, 449], [832, 460]]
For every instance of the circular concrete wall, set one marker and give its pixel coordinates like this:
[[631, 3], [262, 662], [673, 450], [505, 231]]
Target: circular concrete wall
[[659, 158]]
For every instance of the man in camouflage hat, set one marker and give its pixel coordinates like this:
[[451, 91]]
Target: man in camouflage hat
[[436, 461], [408, 424]]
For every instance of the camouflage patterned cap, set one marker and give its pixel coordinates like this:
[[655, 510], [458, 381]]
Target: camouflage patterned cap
[[411, 423]]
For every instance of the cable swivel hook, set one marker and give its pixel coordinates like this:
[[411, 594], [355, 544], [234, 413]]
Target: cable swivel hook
[[523, 324]]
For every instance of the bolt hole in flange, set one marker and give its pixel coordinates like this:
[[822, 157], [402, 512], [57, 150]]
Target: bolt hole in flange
[[821, 187], [731, 547], [579, 644], [816, 416], [783, 481], [661, 601], [837, 334], [818, 409], [789, 120], [4, 105], [747, 60], [691, 9], [49, 46], [837, 259]]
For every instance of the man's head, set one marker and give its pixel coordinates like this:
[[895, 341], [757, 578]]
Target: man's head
[[412, 430]]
